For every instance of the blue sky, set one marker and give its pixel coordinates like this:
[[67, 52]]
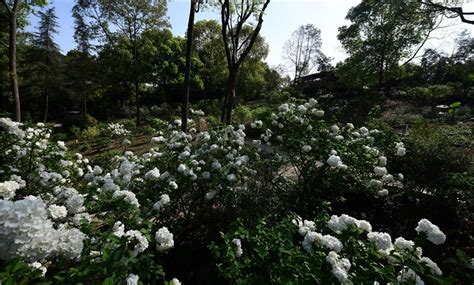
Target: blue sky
[[281, 19]]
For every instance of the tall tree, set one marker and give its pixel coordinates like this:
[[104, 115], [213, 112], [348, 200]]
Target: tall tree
[[128, 19], [48, 27], [464, 47], [3, 55], [83, 33], [303, 49], [235, 15], [209, 48], [382, 32], [194, 8], [13, 10]]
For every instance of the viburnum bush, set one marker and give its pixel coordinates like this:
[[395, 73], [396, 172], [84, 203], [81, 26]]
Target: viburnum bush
[[112, 223], [329, 250], [69, 221], [326, 161], [141, 218]]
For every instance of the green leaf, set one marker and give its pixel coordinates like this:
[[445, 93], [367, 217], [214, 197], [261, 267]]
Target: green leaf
[[108, 281], [455, 105]]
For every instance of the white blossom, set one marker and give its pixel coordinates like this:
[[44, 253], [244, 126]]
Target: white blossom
[[341, 223], [433, 233], [153, 174], [340, 267], [57, 212], [164, 239], [137, 238], [127, 196], [38, 266], [238, 247], [164, 200], [402, 244], [382, 241], [132, 279], [8, 189], [434, 268], [306, 148]]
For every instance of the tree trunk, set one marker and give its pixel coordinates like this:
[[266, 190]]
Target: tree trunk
[[12, 65], [187, 77], [231, 85], [137, 79]]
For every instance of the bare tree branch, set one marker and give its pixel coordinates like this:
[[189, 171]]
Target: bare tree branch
[[436, 26], [458, 11]]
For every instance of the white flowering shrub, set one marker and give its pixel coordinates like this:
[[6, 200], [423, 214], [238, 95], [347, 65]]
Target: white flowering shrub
[[326, 161], [103, 219], [115, 132], [335, 250], [150, 217], [64, 219]]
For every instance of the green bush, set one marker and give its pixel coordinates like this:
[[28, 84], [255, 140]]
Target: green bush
[[436, 151], [243, 115], [90, 133], [432, 95]]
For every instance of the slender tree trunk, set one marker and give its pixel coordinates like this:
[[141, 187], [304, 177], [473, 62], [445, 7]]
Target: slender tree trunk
[[137, 87], [12, 64], [46, 83], [187, 77], [231, 85]]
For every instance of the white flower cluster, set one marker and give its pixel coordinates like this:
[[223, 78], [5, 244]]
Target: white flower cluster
[[140, 241], [381, 241], [303, 136], [343, 222], [26, 231], [12, 127], [401, 150], [408, 275], [57, 212], [238, 247], [153, 174], [433, 233], [335, 161], [164, 239], [117, 129], [132, 279], [327, 241], [340, 267], [307, 229], [127, 196], [8, 189], [164, 200], [256, 125]]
